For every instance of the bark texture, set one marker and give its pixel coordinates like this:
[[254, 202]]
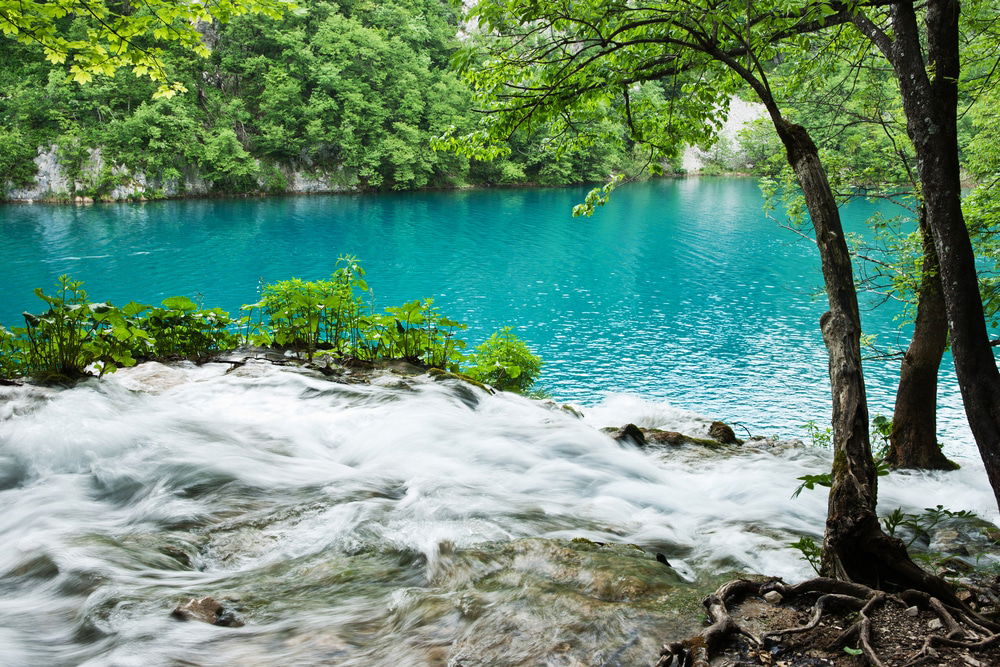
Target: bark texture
[[913, 441], [931, 107], [854, 547]]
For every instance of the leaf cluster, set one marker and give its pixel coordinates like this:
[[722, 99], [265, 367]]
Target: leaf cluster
[[326, 321]]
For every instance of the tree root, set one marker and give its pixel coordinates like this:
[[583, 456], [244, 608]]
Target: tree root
[[960, 627]]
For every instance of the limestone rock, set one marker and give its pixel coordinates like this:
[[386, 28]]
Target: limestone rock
[[723, 433], [151, 377]]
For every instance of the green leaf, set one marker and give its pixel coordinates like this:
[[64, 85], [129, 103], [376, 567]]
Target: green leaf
[[179, 303]]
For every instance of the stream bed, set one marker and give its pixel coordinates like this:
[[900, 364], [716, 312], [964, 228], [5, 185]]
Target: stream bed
[[403, 521]]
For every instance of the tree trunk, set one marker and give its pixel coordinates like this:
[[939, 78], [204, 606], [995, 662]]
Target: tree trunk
[[851, 509], [913, 441], [931, 111], [854, 546]]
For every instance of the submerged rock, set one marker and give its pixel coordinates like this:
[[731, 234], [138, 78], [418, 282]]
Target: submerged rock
[[207, 610], [655, 436]]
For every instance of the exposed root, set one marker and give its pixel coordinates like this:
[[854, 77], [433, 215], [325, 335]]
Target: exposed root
[[830, 599], [697, 650], [886, 628], [866, 629]]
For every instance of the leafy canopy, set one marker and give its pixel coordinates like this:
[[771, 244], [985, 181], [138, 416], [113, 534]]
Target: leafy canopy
[[120, 34]]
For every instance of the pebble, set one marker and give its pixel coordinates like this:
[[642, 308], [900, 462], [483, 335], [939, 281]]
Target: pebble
[[935, 624], [912, 612], [774, 597]]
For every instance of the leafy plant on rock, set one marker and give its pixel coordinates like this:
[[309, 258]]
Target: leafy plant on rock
[[505, 362]]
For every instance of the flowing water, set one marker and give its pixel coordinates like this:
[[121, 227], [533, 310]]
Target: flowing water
[[409, 521], [405, 522]]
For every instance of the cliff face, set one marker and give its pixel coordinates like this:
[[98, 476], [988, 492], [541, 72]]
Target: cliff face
[[97, 179], [725, 154]]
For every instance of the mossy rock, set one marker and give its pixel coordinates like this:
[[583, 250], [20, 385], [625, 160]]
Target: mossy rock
[[439, 374]]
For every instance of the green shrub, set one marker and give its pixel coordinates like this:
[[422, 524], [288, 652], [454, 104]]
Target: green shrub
[[325, 318], [332, 317], [10, 355], [181, 329], [75, 334], [310, 316], [505, 362], [418, 332]]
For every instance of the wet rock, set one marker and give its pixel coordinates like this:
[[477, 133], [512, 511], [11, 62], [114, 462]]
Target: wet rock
[[151, 377], [644, 437], [402, 367], [949, 541], [204, 609], [628, 433], [439, 375], [207, 610], [569, 409], [774, 597], [550, 602], [723, 433], [655, 436]]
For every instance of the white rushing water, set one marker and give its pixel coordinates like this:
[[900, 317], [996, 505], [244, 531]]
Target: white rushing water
[[390, 523]]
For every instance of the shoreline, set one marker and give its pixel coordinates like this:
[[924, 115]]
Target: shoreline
[[90, 201]]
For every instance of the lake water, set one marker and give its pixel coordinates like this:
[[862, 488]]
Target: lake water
[[679, 290], [409, 521]]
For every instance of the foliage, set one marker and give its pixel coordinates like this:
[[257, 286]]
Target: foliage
[[323, 314], [881, 427], [921, 525], [352, 92], [820, 437], [332, 318], [918, 526], [10, 355], [811, 552], [120, 35], [181, 329], [417, 331], [326, 320], [74, 334], [505, 362], [881, 431]]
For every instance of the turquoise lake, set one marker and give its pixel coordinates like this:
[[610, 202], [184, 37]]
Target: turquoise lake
[[679, 290]]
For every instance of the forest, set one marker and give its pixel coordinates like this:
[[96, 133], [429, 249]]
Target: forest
[[352, 91], [890, 105]]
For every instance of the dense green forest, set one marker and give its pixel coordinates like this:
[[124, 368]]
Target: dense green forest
[[349, 93]]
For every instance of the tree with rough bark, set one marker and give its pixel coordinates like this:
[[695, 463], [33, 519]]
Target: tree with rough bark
[[561, 64], [838, 86], [922, 44]]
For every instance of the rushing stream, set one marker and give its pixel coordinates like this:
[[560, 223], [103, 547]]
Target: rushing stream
[[403, 522]]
